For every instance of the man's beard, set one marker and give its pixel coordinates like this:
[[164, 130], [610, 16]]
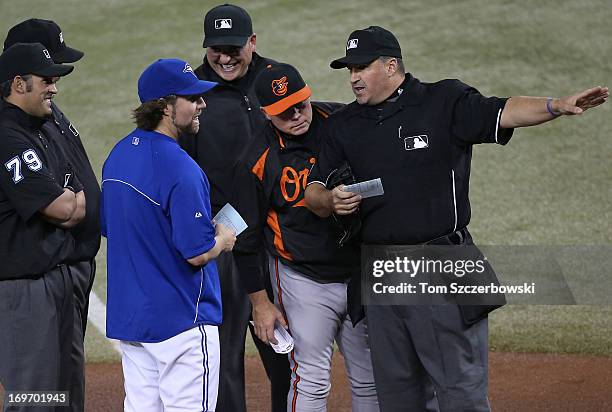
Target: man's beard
[[191, 128]]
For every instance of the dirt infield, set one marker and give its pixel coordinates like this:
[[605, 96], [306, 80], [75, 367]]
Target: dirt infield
[[518, 382]]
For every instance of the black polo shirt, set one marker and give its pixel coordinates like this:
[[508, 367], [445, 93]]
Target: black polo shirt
[[29, 245], [87, 232], [420, 145]]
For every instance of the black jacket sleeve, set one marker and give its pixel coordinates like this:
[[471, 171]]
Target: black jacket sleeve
[[476, 118], [250, 270], [27, 178], [251, 203]]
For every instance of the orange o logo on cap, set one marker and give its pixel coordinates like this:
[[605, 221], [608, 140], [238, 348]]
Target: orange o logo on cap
[[279, 87]]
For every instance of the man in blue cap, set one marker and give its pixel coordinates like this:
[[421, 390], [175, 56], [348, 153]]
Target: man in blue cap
[[164, 301]]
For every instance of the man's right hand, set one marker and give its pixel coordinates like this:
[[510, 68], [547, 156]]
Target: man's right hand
[[224, 242], [225, 236], [66, 210], [265, 316], [344, 203]]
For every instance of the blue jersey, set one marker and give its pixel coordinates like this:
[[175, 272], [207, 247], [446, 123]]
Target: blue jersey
[[155, 213]]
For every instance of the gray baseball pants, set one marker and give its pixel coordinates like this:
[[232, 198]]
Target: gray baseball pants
[[36, 324], [413, 344], [317, 315], [82, 274]]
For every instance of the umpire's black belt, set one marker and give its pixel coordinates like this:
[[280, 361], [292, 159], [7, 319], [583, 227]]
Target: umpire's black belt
[[458, 237]]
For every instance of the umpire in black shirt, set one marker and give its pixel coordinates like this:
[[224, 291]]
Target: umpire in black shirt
[[417, 137], [87, 233], [40, 200]]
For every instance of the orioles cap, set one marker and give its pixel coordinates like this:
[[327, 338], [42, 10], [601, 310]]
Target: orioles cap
[[280, 86]]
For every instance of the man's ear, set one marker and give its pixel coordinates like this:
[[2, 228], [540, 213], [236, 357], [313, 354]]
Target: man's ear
[[19, 85], [391, 67], [167, 108]]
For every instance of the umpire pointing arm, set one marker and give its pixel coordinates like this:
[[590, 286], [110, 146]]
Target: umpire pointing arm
[[418, 137]]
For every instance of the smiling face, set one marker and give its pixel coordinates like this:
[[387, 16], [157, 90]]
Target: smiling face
[[37, 94], [231, 62], [295, 120]]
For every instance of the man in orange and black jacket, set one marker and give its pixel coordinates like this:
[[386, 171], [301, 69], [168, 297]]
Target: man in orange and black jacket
[[308, 269]]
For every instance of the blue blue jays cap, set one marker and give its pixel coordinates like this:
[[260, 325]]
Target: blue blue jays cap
[[168, 77]]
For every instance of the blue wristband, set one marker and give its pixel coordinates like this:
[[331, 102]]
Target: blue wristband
[[549, 108]]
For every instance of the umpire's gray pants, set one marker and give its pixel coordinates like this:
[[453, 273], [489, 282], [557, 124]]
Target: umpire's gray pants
[[82, 274], [317, 314], [411, 344], [36, 332]]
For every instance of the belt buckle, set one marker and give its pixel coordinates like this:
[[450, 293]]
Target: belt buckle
[[457, 237]]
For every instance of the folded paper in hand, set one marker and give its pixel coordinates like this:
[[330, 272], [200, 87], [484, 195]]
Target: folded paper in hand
[[283, 338], [369, 188], [228, 216]]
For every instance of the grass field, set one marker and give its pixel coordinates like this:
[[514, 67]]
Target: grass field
[[549, 186]]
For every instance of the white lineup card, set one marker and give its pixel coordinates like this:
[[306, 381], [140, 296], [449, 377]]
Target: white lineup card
[[229, 217], [283, 338], [369, 188]]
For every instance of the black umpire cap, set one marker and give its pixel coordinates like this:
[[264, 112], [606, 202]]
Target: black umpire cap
[[30, 58], [227, 25], [364, 46], [46, 32]]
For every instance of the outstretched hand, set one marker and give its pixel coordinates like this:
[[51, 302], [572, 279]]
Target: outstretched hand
[[582, 101]]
